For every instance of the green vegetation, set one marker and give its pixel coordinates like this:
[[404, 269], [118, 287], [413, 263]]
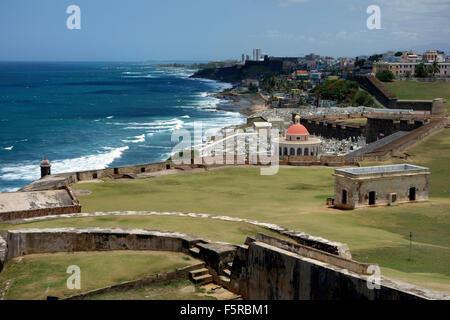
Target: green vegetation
[[252, 88], [385, 76], [375, 57], [337, 90], [421, 90], [421, 71], [294, 198], [38, 276], [363, 98], [211, 229], [271, 84], [184, 290]]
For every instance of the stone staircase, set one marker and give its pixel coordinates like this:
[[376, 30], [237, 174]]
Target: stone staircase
[[225, 278], [200, 276], [195, 252]]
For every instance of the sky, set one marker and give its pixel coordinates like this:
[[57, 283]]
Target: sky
[[141, 30]]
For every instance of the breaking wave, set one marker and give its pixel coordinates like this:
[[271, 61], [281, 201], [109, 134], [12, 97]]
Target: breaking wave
[[30, 171]]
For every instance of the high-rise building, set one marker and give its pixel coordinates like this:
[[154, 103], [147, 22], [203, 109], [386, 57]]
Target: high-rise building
[[257, 54]]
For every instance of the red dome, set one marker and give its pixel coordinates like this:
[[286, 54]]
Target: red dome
[[297, 129]]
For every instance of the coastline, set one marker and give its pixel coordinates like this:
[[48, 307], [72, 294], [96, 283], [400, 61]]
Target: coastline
[[245, 104], [227, 102]]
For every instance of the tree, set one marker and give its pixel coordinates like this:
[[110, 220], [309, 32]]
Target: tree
[[433, 68], [421, 71], [398, 54], [375, 57], [337, 90], [363, 98], [408, 74], [385, 76], [252, 88], [359, 62]]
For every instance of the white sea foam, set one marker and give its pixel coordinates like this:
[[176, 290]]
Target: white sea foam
[[30, 171], [110, 117], [186, 117], [9, 148], [138, 139], [140, 76], [154, 126], [8, 190]]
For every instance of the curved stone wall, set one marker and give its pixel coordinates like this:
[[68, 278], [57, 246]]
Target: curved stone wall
[[333, 247], [34, 241]]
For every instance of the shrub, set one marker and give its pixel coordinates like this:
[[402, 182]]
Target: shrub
[[385, 76]]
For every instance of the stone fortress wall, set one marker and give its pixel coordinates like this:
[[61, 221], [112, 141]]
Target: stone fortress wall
[[389, 100], [265, 268]]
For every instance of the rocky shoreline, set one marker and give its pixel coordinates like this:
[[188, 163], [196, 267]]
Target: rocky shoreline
[[246, 104]]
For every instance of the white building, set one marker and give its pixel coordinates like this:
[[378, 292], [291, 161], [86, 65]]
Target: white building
[[257, 54]]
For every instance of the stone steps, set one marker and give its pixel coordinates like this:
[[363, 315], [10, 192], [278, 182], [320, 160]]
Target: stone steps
[[198, 272], [203, 279], [227, 272], [225, 279], [195, 252]]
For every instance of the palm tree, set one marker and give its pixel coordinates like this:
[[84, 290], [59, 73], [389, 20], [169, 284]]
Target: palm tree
[[434, 68]]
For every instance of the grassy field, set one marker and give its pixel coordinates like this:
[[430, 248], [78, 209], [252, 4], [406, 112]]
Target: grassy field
[[294, 198], [420, 90], [231, 232], [173, 291], [41, 275]]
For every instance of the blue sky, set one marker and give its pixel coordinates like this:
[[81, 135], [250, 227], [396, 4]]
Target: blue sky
[[137, 30]]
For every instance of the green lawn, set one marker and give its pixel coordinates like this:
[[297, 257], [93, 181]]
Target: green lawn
[[294, 198], [41, 275], [420, 90], [184, 290], [231, 232]]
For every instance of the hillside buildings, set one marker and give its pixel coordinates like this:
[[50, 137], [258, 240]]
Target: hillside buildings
[[400, 69]]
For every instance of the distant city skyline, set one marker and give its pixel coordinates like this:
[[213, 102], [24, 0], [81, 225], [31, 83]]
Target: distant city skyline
[[204, 30]]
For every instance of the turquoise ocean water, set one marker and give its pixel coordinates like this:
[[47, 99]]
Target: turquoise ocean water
[[84, 116]]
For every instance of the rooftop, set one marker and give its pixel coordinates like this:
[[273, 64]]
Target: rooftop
[[262, 124], [396, 168], [19, 201]]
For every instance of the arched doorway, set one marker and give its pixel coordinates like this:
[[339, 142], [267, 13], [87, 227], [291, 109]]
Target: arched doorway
[[292, 152], [306, 151]]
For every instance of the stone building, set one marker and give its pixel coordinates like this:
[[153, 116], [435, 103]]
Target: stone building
[[380, 185]]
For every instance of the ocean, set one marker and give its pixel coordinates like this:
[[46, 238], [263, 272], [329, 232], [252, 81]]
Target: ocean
[[84, 116]]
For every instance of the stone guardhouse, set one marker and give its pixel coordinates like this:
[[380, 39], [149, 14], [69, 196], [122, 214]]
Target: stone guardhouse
[[380, 185]]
